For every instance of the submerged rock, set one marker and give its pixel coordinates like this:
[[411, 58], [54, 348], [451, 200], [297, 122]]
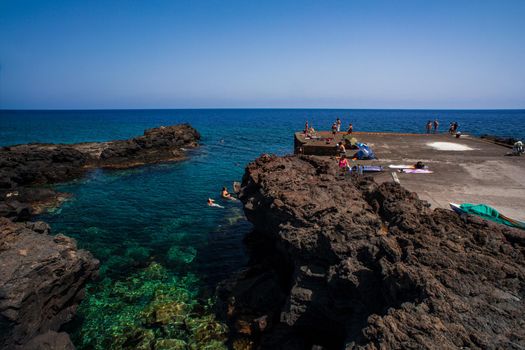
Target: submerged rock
[[340, 262], [42, 280], [24, 166], [150, 309], [181, 255]]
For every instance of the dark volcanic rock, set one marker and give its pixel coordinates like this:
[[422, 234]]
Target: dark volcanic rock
[[36, 164], [42, 281], [499, 139], [50, 341], [347, 263], [156, 145], [24, 166]]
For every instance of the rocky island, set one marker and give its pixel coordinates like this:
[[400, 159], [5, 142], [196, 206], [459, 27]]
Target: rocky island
[[345, 262], [42, 276]]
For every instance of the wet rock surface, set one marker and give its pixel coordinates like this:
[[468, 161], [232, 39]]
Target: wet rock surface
[[341, 262], [42, 280], [24, 166]]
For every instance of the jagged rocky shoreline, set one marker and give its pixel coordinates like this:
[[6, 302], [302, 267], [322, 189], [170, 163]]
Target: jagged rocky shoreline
[[42, 280], [25, 168], [42, 277], [340, 262]]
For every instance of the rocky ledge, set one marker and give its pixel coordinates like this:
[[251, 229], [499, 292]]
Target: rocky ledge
[[42, 280], [24, 166], [341, 262]]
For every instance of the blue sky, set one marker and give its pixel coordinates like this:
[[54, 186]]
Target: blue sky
[[310, 54]]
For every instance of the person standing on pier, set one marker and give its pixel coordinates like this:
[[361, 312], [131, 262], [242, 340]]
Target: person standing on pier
[[429, 126], [436, 125], [334, 129], [338, 124], [350, 129], [306, 128]]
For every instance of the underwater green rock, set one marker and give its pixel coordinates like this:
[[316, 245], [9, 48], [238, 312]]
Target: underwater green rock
[[181, 255], [138, 253], [151, 309]]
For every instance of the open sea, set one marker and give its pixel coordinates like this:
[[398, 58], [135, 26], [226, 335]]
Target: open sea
[[162, 249]]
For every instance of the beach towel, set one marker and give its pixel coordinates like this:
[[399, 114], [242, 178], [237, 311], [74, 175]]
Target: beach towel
[[401, 166], [416, 171]]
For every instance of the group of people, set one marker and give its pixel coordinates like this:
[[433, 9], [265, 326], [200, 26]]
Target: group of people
[[308, 129], [336, 127], [431, 124], [432, 127], [224, 195]]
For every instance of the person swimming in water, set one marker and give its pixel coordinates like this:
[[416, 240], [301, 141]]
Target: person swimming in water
[[226, 195], [212, 203]]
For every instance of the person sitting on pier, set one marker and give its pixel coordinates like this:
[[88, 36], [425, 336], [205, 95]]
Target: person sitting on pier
[[341, 149], [226, 195], [517, 149], [350, 129]]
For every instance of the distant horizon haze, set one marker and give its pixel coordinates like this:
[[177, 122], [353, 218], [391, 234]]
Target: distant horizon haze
[[378, 54], [258, 108]]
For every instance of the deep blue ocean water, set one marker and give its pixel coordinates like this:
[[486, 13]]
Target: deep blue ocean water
[[130, 219]]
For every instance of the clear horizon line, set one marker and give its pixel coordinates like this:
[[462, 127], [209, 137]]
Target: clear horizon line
[[261, 108]]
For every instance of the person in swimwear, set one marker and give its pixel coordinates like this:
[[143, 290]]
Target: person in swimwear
[[341, 149], [212, 203], [343, 163], [436, 125], [334, 129], [226, 195]]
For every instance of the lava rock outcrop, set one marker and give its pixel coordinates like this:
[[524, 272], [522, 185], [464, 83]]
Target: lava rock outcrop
[[42, 280], [344, 262], [22, 167]]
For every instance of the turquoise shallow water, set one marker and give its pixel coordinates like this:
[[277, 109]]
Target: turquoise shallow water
[[162, 249]]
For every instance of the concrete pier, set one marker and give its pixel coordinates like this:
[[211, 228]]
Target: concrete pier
[[480, 173]]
